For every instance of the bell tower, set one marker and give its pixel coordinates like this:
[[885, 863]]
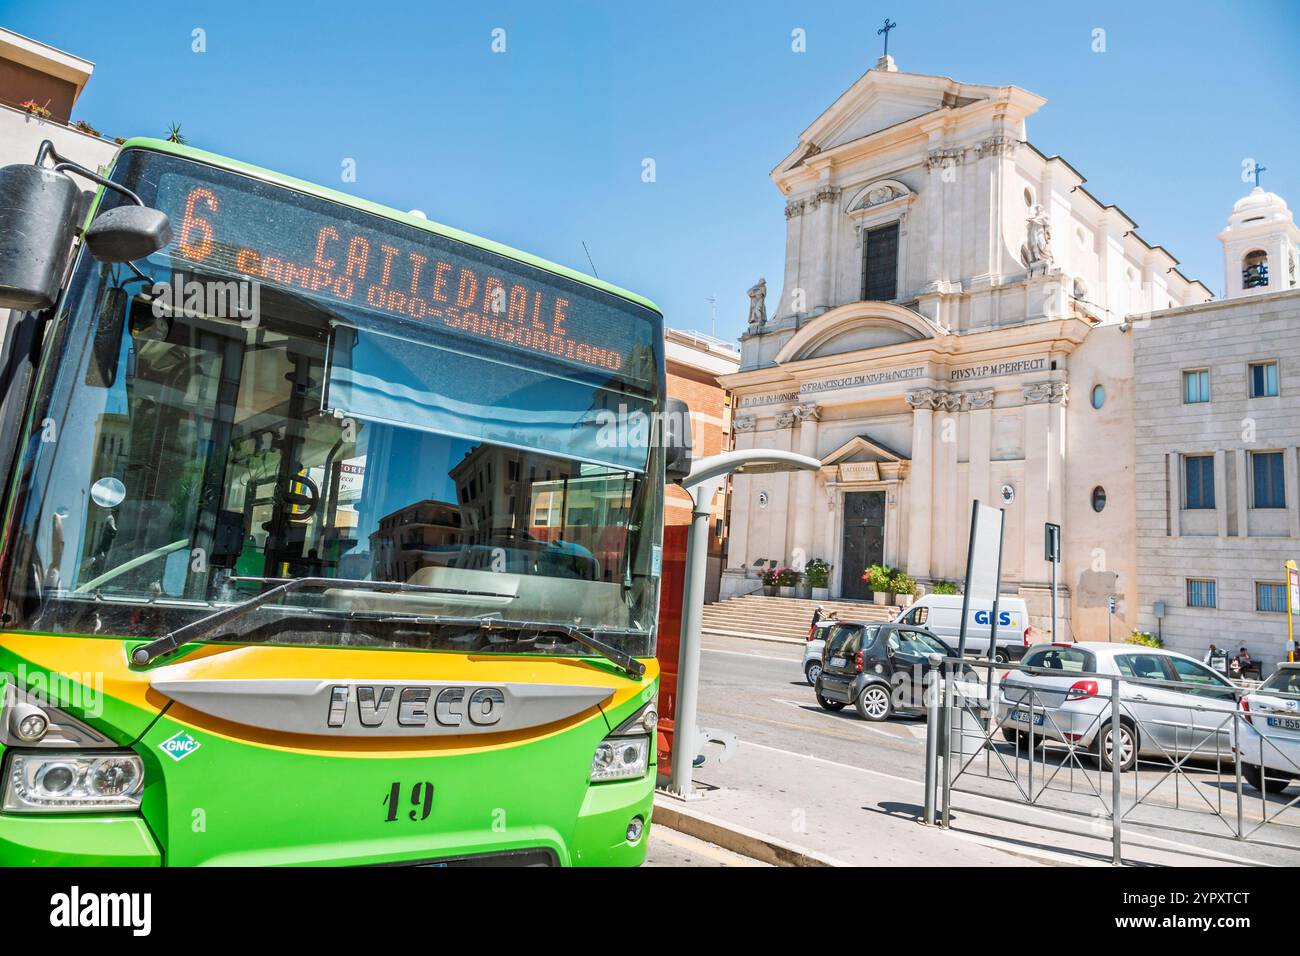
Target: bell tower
[[1261, 244]]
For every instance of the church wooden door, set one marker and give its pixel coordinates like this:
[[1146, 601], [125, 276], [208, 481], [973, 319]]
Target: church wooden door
[[863, 542]]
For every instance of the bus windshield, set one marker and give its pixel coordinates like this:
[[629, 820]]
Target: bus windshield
[[295, 388]]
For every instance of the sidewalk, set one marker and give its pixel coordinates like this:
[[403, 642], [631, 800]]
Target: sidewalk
[[798, 810]]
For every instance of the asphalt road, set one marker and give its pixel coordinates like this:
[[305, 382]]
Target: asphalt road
[[754, 690]]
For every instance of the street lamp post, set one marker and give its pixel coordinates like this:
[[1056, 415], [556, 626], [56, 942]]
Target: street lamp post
[[702, 484]]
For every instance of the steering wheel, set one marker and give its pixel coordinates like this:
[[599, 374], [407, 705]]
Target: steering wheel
[[302, 504]]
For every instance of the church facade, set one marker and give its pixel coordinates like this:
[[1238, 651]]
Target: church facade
[[952, 326]]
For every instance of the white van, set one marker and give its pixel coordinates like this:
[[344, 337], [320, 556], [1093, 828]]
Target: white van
[[940, 614]]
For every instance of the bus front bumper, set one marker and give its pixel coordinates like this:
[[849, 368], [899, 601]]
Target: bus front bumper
[[69, 840], [600, 837]]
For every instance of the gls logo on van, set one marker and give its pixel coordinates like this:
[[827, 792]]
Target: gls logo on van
[[1004, 618]]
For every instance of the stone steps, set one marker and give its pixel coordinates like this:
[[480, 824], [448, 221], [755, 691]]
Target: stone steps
[[757, 615]]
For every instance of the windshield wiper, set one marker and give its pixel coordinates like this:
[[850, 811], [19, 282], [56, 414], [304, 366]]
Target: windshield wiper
[[629, 664], [211, 623], [197, 630]]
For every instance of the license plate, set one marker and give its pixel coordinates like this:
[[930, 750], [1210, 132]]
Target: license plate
[[838, 662], [1286, 723], [1022, 716]]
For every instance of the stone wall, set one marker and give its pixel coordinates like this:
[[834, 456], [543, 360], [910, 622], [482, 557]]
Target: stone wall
[[1234, 544]]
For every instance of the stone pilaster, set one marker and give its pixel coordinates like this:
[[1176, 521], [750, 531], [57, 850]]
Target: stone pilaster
[[805, 482], [921, 479]]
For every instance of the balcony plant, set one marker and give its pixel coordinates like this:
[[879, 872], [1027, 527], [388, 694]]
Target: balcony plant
[[85, 127], [35, 109], [818, 575]]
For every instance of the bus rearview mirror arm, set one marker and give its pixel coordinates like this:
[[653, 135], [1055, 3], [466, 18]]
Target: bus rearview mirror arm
[[121, 234], [40, 208]]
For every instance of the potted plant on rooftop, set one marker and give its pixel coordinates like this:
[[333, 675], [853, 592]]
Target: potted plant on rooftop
[[877, 577], [35, 109], [818, 575]]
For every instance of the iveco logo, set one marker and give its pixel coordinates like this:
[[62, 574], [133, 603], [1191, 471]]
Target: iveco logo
[[416, 706], [377, 706]]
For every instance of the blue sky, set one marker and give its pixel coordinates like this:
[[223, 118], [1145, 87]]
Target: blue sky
[[542, 146]]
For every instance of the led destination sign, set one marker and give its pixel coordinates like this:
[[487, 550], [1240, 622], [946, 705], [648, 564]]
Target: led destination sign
[[275, 235]]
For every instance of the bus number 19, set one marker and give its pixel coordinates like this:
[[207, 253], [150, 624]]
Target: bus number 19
[[421, 801]]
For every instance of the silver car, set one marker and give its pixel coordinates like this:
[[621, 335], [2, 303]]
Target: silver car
[[1191, 714], [812, 653], [1269, 740]]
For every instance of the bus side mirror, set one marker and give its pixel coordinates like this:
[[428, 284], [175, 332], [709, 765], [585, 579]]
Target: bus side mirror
[[677, 439], [38, 209], [127, 233], [102, 368]]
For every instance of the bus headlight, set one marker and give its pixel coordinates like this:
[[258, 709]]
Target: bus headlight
[[620, 758], [69, 781]]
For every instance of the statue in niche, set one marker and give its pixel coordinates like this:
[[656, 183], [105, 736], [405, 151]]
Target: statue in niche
[[1038, 242], [757, 306]]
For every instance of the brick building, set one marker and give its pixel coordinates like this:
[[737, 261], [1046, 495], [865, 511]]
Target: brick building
[[694, 361]]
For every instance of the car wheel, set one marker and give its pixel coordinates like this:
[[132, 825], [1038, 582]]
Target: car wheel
[[1258, 779], [1127, 746], [828, 704], [874, 703], [1022, 738], [812, 672]]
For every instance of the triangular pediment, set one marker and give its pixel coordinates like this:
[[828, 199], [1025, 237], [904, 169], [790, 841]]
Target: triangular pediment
[[881, 108], [862, 448], [879, 100]]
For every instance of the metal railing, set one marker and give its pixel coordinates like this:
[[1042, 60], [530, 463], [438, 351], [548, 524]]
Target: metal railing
[[1042, 746]]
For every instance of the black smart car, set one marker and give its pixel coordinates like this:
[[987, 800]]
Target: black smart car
[[878, 668]]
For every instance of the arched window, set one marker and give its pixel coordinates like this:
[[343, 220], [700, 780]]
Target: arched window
[[1098, 396], [1254, 270], [1098, 498]]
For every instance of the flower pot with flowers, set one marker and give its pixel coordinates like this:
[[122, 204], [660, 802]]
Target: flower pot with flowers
[[818, 575], [903, 587], [877, 577], [35, 109], [787, 581]]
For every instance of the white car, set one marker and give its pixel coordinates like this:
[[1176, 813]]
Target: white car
[[1270, 732], [1193, 713], [812, 653]]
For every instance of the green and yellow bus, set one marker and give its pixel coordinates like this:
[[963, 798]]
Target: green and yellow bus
[[331, 535]]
